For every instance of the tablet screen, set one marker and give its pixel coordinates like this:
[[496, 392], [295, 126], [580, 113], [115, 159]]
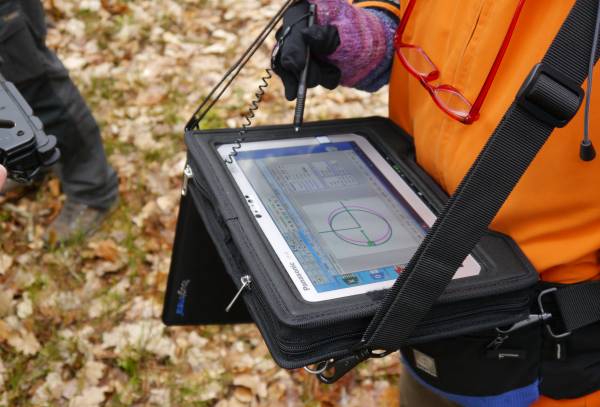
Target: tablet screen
[[342, 219]]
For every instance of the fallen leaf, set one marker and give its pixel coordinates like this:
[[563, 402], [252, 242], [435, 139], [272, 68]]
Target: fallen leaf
[[114, 7], [2, 374], [152, 96], [390, 397], [6, 297], [6, 262], [25, 307], [24, 342], [252, 382], [243, 395], [92, 372], [89, 397], [5, 330], [54, 187], [106, 250]]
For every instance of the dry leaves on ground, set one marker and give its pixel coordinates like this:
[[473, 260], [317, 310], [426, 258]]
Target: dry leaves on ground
[[80, 326]]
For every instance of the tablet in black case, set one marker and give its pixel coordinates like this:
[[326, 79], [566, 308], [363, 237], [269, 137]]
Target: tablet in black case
[[220, 247]]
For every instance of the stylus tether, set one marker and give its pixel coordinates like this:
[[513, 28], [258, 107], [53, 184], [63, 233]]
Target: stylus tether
[[302, 86], [587, 152], [215, 94]]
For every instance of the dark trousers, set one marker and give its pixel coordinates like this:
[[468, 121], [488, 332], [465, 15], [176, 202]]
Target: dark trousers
[[45, 83]]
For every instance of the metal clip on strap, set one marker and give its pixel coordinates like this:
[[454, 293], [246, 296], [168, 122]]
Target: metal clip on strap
[[578, 306], [338, 368], [541, 306]]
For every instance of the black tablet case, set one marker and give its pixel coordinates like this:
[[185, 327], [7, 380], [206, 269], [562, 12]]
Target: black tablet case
[[218, 241]]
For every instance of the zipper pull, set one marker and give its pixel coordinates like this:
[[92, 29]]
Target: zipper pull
[[187, 175], [506, 354], [246, 280], [497, 342]]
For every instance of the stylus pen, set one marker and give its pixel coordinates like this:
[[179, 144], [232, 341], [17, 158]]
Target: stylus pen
[[302, 88]]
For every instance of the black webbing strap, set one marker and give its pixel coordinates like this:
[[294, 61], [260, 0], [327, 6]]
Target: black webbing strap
[[579, 304], [549, 98]]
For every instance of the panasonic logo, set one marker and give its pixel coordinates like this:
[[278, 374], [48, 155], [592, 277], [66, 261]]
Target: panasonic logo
[[305, 286]]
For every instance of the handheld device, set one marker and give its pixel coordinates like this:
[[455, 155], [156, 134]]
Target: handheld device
[[24, 147], [340, 219], [302, 85]]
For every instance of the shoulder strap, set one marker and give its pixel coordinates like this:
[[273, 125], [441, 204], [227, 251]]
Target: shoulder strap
[[549, 98]]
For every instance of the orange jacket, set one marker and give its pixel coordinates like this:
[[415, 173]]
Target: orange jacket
[[554, 213]]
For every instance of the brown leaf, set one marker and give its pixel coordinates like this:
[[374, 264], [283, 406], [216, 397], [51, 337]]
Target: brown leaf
[[106, 250], [390, 397], [243, 394], [252, 382], [6, 262], [6, 297], [19, 338], [114, 7], [152, 96], [54, 187], [5, 331]]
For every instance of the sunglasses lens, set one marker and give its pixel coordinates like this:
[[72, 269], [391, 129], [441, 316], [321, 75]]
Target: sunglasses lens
[[418, 61], [453, 101]]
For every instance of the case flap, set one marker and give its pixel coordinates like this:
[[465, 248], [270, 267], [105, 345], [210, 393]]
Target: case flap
[[199, 288]]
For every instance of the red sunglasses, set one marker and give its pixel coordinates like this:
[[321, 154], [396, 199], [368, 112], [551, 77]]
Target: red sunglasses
[[447, 97]]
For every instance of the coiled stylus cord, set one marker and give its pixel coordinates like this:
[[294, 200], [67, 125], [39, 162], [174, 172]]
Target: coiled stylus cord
[[218, 90], [250, 114]]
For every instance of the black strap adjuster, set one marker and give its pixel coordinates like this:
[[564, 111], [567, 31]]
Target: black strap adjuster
[[550, 96]]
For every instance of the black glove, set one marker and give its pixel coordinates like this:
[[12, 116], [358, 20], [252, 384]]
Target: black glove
[[289, 55]]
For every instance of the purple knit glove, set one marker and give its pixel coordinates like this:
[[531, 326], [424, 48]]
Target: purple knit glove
[[366, 47]]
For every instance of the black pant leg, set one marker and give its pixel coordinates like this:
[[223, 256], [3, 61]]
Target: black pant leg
[[45, 83]]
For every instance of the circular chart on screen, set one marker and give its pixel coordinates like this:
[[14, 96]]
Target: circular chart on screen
[[359, 226]]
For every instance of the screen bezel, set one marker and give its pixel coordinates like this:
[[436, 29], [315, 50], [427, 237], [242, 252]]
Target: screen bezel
[[289, 261]]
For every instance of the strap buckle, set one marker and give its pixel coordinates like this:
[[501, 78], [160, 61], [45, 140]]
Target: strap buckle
[[550, 95], [330, 371], [541, 306]]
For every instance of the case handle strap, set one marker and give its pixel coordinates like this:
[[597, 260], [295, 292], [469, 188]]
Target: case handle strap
[[217, 91]]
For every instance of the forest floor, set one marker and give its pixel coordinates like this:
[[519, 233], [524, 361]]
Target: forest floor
[[80, 324]]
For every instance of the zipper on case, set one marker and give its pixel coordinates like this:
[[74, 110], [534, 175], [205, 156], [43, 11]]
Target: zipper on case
[[300, 349], [292, 348], [187, 175], [486, 310], [246, 281]]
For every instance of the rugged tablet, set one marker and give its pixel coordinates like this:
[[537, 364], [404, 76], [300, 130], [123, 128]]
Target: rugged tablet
[[340, 219]]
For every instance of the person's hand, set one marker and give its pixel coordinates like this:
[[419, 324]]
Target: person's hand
[[2, 176], [349, 45], [289, 55]]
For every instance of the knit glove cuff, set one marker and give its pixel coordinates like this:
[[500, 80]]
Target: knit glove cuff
[[366, 42]]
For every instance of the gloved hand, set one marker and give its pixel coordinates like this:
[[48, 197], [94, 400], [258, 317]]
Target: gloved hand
[[2, 176], [289, 55], [349, 45]]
